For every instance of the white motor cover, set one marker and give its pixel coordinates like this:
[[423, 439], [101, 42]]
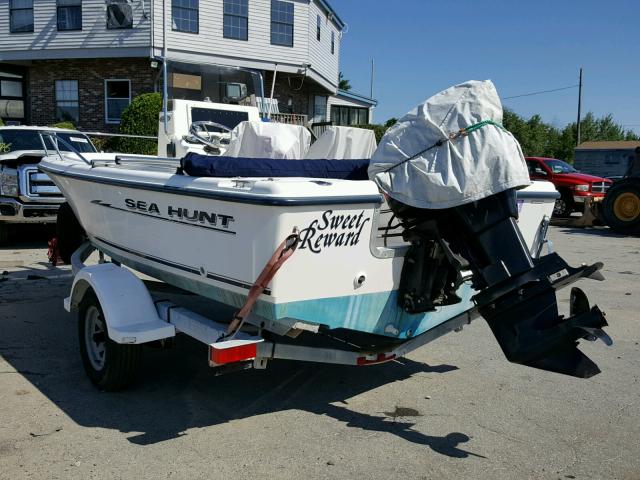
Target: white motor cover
[[269, 140], [343, 143], [485, 162]]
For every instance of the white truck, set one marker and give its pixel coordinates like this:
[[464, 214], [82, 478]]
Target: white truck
[[26, 194]]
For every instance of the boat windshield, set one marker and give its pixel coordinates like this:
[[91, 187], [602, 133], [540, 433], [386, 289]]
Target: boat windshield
[[14, 140], [213, 83], [558, 166]]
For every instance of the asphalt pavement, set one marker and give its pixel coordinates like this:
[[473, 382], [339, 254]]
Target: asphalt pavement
[[453, 409]]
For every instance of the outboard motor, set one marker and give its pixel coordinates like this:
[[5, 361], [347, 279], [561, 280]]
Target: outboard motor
[[456, 199]]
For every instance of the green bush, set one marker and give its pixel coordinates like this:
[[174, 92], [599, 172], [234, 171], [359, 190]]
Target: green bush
[[1, 123], [65, 125], [139, 118]]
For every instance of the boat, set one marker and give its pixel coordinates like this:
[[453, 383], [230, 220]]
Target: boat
[[370, 261]]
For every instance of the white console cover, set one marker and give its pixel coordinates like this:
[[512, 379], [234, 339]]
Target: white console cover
[[269, 140], [485, 162], [343, 143]]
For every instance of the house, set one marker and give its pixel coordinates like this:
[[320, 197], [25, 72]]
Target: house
[[83, 60], [605, 159]]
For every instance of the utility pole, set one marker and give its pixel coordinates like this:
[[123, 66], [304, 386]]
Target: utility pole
[[579, 104], [372, 77]]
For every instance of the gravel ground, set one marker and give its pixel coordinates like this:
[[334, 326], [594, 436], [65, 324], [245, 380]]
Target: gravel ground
[[454, 409]]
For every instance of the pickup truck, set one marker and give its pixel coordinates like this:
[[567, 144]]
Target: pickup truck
[[574, 187], [26, 194]]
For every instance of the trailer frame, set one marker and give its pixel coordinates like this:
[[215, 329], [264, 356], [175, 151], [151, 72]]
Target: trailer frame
[[132, 317]]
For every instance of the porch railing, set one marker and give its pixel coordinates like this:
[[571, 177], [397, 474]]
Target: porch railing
[[319, 128], [290, 118]]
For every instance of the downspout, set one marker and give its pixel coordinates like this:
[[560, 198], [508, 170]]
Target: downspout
[[164, 68], [273, 86], [151, 15]]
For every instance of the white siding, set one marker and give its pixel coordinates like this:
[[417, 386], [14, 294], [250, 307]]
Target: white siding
[[209, 40], [257, 52], [94, 33], [320, 57], [209, 45]]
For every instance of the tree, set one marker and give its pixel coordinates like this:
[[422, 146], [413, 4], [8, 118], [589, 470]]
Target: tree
[[391, 122], [343, 83], [540, 139]]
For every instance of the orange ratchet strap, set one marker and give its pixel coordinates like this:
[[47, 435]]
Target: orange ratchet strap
[[281, 255]]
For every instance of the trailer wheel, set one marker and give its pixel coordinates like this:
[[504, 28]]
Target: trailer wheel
[[564, 205], [622, 207], [69, 232], [110, 366]]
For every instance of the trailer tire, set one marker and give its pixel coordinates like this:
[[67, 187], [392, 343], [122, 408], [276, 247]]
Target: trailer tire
[[110, 366], [69, 232], [564, 205]]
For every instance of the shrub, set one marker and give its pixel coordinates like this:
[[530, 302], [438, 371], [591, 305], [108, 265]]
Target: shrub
[[140, 118], [102, 144], [1, 123]]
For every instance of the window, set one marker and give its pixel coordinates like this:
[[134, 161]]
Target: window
[[11, 88], [333, 42], [318, 27], [236, 19], [11, 95], [117, 96], [21, 16], [319, 108], [343, 115], [67, 109], [281, 23], [185, 15], [119, 14], [69, 14]]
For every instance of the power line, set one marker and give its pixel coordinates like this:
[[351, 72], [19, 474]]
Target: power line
[[540, 92]]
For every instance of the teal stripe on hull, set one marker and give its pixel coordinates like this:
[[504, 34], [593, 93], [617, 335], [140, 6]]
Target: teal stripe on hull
[[376, 313]]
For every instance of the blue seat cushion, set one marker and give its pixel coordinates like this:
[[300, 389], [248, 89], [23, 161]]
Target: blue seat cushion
[[197, 165]]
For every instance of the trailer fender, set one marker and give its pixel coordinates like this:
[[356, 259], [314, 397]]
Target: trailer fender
[[128, 309]]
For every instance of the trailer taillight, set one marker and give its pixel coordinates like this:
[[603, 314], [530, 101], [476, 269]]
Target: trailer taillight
[[373, 359], [232, 351]]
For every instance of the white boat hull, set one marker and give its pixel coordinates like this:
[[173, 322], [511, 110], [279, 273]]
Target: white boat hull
[[213, 236]]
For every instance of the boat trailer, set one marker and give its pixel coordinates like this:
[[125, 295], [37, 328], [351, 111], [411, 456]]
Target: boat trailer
[[118, 313], [127, 315]]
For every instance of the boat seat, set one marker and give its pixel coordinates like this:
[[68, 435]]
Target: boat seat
[[197, 165], [268, 140], [343, 143]]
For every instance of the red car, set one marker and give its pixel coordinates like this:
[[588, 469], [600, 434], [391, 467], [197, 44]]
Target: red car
[[572, 185]]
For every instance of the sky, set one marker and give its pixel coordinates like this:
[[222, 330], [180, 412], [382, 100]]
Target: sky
[[423, 46]]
